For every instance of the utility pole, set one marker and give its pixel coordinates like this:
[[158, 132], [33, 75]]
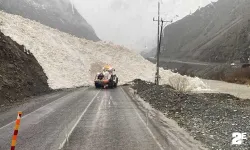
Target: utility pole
[[158, 47], [159, 39], [161, 34]]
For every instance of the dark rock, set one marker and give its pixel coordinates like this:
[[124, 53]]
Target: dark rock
[[11, 66], [21, 79]]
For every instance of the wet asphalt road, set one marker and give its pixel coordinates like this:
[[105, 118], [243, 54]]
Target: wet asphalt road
[[112, 122], [84, 119]]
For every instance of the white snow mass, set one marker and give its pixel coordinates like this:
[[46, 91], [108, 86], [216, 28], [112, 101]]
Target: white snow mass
[[69, 61]]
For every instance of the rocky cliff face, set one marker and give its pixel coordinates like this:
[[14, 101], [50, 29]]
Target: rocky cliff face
[[219, 32], [21, 75], [59, 14]]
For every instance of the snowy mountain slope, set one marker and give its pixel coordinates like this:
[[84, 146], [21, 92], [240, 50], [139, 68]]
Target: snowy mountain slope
[[58, 14], [69, 61]]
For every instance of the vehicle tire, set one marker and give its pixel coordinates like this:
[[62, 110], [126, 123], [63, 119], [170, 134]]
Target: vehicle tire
[[111, 84], [97, 86], [116, 83]]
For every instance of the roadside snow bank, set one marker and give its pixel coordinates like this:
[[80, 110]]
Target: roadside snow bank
[[69, 61]]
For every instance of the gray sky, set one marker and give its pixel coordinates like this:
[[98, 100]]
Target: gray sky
[[130, 22]]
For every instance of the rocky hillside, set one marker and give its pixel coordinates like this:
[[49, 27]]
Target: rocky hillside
[[59, 14], [218, 32], [21, 75]]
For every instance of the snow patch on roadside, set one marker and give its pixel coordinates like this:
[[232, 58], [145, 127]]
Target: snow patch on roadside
[[68, 60]]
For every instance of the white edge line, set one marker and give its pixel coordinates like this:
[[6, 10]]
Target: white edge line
[[37, 109], [150, 132], [70, 132]]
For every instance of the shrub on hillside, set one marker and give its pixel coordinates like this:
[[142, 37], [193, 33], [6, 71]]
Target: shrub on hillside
[[240, 76]]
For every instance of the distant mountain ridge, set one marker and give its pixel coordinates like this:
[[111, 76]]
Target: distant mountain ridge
[[59, 14], [219, 32]]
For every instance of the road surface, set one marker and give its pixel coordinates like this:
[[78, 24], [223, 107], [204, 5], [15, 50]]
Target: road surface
[[85, 119]]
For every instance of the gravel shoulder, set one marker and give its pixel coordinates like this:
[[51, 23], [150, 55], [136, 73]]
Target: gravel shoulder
[[209, 117]]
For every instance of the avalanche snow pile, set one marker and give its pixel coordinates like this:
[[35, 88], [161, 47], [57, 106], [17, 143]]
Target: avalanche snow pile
[[69, 61]]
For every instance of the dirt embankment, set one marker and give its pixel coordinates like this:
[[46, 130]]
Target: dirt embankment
[[21, 75], [239, 76], [209, 118]]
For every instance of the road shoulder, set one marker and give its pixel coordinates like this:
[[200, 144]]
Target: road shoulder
[[210, 118], [8, 113], [167, 128]]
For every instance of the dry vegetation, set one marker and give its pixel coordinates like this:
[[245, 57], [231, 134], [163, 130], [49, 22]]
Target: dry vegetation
[[179, 83], [240, 76]]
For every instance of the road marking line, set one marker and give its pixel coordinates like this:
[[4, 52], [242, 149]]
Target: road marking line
[[150, 132], [70, 132], [38, 109]]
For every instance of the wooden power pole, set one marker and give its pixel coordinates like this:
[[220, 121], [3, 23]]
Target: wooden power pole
[[159, 39]]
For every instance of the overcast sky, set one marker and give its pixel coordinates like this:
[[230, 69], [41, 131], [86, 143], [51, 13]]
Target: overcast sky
[[130, 22]]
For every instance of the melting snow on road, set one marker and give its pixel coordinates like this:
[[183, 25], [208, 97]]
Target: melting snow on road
[[69, 61]]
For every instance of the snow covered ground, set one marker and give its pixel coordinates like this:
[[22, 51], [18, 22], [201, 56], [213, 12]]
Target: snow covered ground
[[69, 61]]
